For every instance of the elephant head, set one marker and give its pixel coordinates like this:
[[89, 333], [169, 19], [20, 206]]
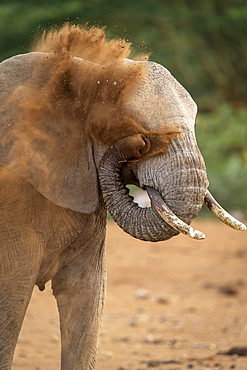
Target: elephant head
[[176, 180], [84, 125]]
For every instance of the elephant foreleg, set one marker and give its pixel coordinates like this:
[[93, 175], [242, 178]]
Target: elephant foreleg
[[79, 289], [15, 293]]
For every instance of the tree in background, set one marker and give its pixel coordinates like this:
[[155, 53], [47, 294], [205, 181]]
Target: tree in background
[[222, 138], [203, 43]]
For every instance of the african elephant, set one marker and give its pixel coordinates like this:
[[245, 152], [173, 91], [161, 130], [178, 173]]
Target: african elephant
[[80, 121]]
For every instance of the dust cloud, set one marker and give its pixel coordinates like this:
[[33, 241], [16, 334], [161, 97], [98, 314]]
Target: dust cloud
[[77, 91]]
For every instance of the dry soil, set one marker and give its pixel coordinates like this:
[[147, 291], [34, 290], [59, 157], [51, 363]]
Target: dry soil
[[180, 304]]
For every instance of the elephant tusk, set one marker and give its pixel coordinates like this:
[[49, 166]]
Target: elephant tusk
[[221, 214], [170, 218]]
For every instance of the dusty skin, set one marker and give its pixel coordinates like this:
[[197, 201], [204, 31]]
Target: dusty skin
[[171, 305]]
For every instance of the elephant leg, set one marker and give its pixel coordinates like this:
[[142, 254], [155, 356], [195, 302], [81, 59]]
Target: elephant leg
[[16, 288], [79, 289]]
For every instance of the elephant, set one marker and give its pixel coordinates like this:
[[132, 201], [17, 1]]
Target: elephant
[[80, 121]]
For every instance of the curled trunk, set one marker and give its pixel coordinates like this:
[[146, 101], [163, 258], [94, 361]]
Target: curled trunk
[[142, 223]]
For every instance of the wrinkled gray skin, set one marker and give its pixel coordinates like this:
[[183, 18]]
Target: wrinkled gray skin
[[60, 237]]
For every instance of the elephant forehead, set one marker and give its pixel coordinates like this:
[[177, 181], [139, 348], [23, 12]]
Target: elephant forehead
[[160, 98]]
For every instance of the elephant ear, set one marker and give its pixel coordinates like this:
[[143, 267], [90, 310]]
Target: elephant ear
[[43, 142]]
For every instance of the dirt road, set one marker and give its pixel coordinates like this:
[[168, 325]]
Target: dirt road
[[171, 305]]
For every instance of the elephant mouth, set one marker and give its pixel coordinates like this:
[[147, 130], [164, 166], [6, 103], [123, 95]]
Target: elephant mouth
[[171, 219]]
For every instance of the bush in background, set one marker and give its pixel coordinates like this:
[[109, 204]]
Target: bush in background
[[222, 139]]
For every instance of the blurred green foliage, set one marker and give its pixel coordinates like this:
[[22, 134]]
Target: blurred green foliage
[[202, 43], [222, 139]]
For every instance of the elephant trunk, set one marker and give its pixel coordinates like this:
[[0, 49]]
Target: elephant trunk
[[142, 223]]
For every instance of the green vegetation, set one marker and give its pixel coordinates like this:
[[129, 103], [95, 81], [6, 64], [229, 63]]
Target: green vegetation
[[203, 44], [222, 138]]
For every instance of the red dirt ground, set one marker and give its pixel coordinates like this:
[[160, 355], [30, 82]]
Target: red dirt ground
[[171, 305]]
